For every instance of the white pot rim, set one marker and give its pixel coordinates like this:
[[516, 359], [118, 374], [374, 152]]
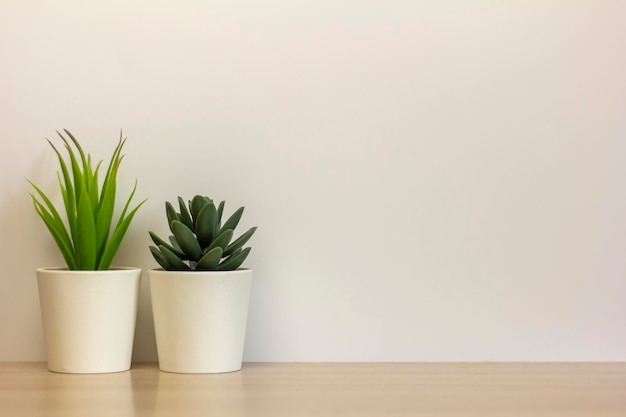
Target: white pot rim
[[161, 271], [65, 270]]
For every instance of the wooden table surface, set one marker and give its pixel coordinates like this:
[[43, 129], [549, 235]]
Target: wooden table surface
[[322, 389]]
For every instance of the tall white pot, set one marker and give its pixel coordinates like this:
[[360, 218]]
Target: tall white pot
[[89, 318], [200, 319]]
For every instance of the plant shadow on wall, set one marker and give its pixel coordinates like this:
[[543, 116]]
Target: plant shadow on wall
[[200, 297], [89, 309]]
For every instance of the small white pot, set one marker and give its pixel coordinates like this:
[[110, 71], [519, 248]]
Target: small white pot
[[89, 318], [200, 319]]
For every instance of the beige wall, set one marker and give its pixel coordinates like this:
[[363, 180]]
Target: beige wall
[[436, 180]]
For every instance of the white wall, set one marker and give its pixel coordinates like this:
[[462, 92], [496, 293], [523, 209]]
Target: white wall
[[432, 181]]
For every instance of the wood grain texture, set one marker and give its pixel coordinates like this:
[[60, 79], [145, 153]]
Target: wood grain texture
[[323, 389]]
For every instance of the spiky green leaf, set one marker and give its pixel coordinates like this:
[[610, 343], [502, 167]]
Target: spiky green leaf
[[116, 238], [105, 214], [77, 175], [69, 198], [112, 169], [89, 207], [59, 234], [86, 250]]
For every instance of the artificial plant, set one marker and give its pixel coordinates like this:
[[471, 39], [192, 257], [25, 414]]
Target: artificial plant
[[87, 238], [199, 240]]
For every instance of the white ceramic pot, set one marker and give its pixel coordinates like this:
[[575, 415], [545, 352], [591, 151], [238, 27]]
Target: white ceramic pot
[[89, 318], [200, 319]]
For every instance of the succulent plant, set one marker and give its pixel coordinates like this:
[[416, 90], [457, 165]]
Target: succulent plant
[[92, 239], [199, 240]]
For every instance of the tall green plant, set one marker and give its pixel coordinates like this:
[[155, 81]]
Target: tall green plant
[[88, 239]]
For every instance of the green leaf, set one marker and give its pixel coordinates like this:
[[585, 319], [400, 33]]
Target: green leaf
[[106, 205], [77, 144], [53, 219], [118, 234], [222, 240], [185, 217], [130, 197], [69, 197], [233, 221], [187, 240], [171, 214], [158, 256], [87, 173], [105, 215], [50, 206], [234, 261], [89, 208], [210, 260], [93, 191], [220, 211], [160, 242], [86, 235], [174, 243], [206, 224], [110, 178], [175, 263], [79, 178], [59, 234], [241, 240], [197, 203]]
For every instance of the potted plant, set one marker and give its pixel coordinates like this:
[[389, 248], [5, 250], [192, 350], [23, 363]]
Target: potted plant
[[88, 308], [200, 295]]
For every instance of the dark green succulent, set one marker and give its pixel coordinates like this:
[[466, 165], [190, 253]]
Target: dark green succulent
[[199, 240]]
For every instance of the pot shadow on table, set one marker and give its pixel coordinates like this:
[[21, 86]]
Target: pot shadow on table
[[157, 393]]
